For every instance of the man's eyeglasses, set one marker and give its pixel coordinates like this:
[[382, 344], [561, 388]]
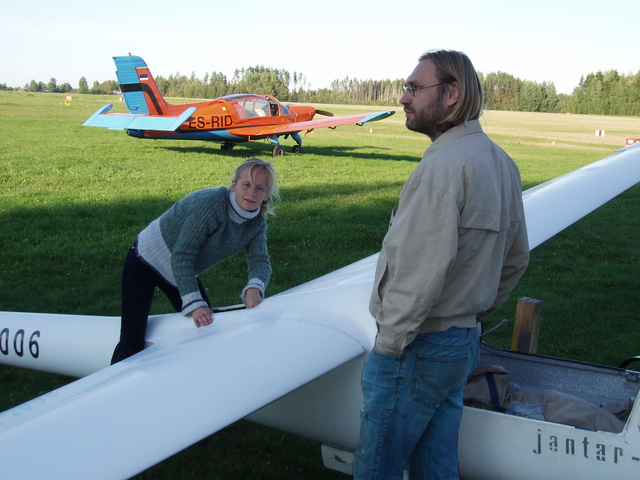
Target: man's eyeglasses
[[412, 89]]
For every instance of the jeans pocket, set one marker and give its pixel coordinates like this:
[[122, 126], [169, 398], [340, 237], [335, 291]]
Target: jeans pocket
[[436, 377], [381, 370]]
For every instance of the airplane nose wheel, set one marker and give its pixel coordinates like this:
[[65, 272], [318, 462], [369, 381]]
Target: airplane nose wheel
[[278, 151]]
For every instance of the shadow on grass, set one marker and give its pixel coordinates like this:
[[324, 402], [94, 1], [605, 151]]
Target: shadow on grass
[[68, 258], [264, 150]]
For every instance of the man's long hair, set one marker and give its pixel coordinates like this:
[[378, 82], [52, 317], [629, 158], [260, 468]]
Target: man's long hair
[[452, 66]]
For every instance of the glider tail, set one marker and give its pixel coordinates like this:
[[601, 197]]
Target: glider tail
[[139, 89]]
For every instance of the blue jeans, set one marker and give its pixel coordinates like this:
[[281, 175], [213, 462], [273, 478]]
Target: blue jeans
[[413, 407]]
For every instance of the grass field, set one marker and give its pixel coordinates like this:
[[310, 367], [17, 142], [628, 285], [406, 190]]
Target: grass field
[[73, 199]]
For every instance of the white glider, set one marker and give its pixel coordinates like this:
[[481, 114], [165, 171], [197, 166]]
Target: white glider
[[294, 363]]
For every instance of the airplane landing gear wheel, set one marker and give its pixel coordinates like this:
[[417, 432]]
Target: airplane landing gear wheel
[[278, 151], [227, 146], [296, 149]]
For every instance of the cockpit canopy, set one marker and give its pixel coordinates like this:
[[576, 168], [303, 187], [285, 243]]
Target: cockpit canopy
[[254, 106]]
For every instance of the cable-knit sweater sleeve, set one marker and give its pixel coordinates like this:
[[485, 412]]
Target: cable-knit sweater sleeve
[[258, 262]]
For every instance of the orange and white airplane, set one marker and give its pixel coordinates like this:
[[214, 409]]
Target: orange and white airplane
[[230, 119]]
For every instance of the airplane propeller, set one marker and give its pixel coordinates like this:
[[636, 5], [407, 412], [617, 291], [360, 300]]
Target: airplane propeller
[[325, 113]]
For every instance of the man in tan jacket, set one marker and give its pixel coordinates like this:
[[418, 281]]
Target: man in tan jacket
[[456, 247]]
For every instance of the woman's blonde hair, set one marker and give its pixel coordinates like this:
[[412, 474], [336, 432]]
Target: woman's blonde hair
[[452, 66], [273, 193]]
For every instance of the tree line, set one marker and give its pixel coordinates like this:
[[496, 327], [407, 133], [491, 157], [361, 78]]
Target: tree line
[[601, 93]]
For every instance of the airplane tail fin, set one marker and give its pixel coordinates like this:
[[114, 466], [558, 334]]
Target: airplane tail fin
[[140, 91]]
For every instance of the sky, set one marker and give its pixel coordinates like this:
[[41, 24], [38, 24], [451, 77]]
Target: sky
[[556, 41]]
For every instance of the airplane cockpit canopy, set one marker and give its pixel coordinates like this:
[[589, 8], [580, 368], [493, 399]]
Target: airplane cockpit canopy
[[252, 106]]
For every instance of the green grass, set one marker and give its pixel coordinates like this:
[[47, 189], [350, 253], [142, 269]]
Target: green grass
[[72, 199]]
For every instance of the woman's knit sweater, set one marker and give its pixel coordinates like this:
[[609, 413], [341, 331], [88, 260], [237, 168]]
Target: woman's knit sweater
[[198, 231]]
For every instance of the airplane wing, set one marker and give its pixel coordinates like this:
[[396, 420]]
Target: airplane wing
[[330, 122], [125, 121], [191, 383], [554, 205]]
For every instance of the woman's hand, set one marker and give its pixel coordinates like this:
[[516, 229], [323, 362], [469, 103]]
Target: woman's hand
[[252, 298], [202, 317]]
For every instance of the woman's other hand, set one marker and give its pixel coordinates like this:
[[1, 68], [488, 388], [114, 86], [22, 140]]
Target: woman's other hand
[[202, 317], [252, 298]]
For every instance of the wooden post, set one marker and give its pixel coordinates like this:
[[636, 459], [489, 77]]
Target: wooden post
[[527, 325]]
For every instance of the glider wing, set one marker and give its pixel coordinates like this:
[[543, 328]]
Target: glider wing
[[554, 205], [191, 383]]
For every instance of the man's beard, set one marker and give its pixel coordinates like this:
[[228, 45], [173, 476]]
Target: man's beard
[[428, 119]]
